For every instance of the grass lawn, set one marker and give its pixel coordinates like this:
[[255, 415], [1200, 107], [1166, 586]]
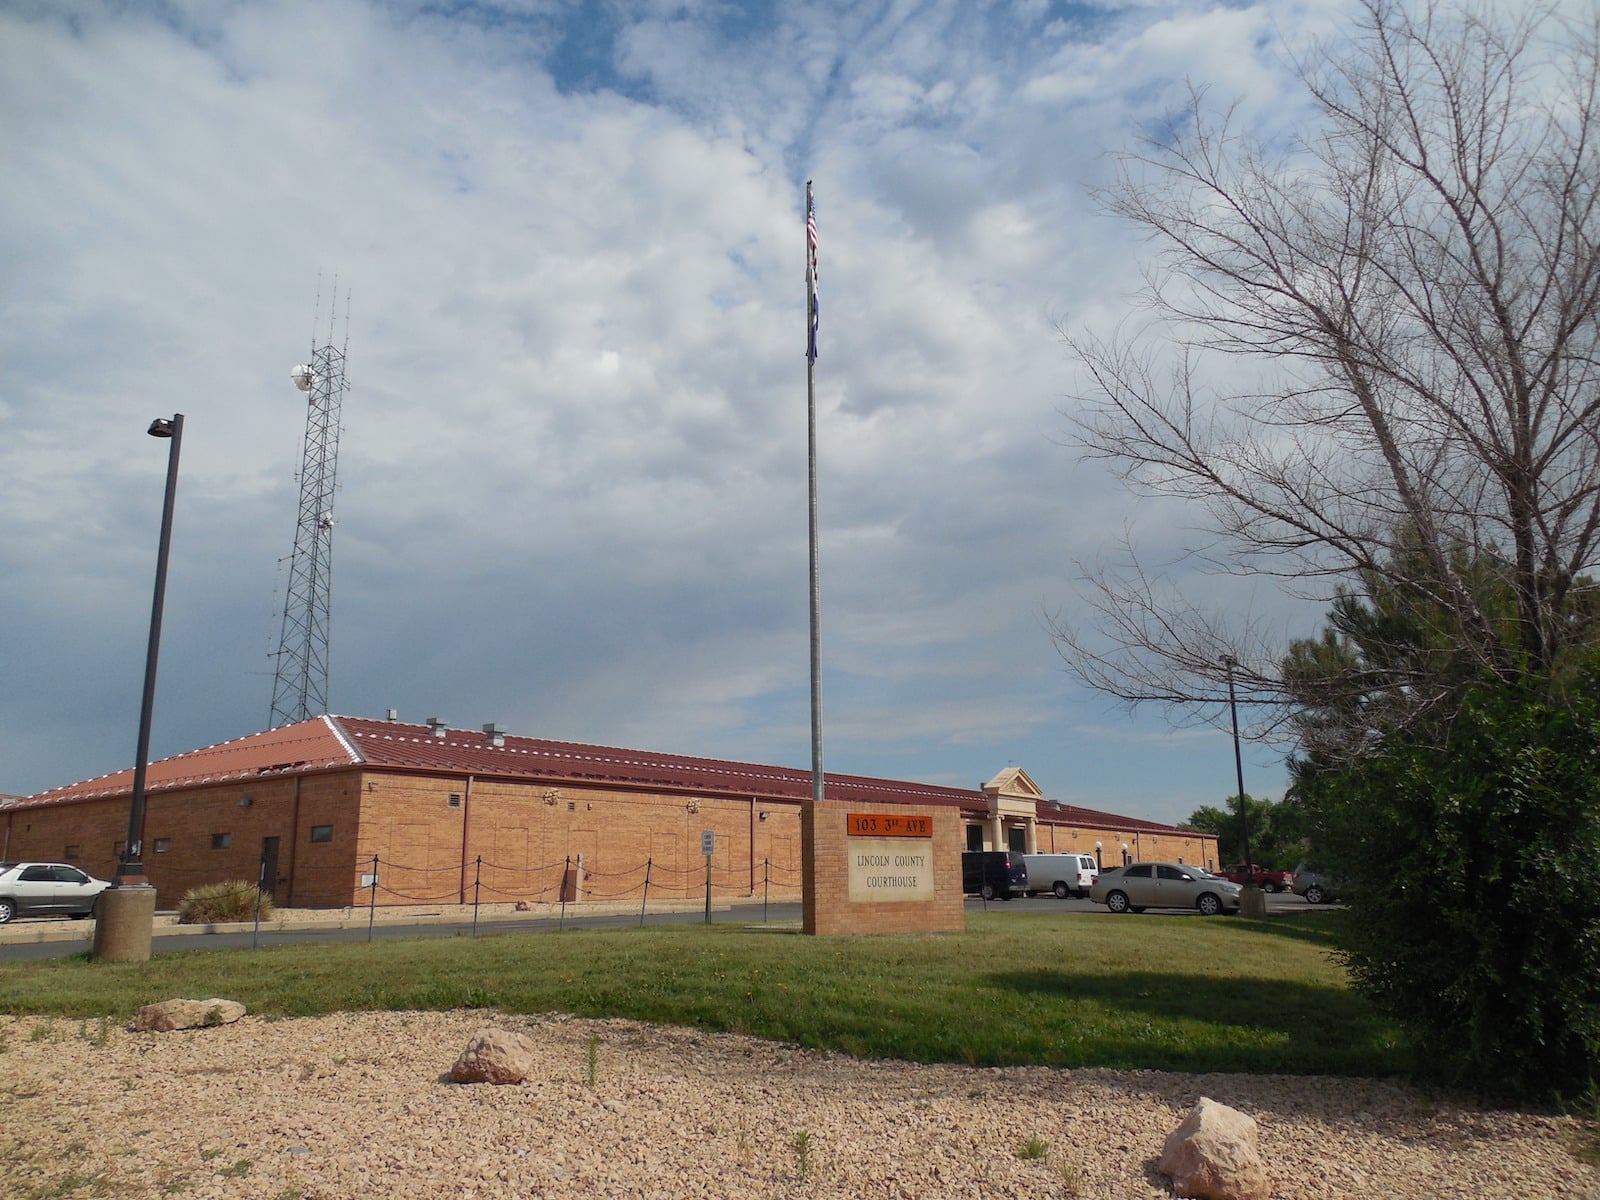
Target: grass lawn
[[1067, 990]]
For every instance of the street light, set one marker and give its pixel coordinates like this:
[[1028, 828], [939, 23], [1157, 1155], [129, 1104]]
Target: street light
[[126, 913]]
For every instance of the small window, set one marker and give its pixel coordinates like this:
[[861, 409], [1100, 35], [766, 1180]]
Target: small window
[[322, 833], [221, 841], [161, 845], [70, 853], [455, 799]]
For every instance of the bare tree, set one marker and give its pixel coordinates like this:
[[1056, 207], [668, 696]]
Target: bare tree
[[1418, 283]]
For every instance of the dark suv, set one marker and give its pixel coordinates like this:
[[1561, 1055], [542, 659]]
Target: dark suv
[[1315, 886], [993, 874]]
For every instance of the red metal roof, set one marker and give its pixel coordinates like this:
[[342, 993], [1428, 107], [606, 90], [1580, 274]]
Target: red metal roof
[[328, 742], [304, 746], [389, 744], [1070, 814]]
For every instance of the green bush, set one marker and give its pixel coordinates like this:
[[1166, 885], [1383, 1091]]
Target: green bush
[[234, 900], [1475, 863]]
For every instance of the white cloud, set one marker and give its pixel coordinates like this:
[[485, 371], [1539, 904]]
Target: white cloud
[[573, 466]]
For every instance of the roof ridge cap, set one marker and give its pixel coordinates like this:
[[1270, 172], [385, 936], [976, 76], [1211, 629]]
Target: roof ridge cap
[[335, 728]]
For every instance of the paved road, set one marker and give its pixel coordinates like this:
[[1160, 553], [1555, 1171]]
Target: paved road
[[76, 936], [1281, 902]]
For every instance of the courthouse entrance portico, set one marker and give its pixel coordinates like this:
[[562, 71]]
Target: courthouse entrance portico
[[1011, 819]]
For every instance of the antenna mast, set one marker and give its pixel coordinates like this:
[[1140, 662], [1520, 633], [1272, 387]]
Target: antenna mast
[[300, 683]]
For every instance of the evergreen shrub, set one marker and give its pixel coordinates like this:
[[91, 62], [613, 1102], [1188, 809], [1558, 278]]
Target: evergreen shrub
[[1474, 857]]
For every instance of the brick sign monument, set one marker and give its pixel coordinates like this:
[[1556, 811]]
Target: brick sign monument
[[871, 871]]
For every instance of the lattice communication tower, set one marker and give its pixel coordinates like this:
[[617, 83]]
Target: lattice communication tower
[[300, 683]]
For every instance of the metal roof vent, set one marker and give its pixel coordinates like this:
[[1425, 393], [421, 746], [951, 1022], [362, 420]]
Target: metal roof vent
[[494, 734], [439, 726]]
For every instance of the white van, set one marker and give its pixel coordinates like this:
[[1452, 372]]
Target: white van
[[1064, 874]]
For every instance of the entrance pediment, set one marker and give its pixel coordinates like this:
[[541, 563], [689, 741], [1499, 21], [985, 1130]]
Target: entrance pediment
[[1014, 781], [1013, 793]]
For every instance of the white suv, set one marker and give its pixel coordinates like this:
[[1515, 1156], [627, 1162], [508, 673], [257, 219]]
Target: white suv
[[33, 887]]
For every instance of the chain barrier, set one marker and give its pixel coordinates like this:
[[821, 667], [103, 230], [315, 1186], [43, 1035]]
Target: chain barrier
[[561, 880]]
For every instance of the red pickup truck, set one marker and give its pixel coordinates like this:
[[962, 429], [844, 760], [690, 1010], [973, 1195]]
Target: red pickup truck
[[1250, 875]]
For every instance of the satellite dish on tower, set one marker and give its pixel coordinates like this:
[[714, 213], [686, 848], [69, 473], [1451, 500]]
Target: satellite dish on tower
[[303, 377]]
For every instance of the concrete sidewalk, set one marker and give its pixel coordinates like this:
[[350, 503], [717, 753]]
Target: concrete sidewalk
[[24, 930]]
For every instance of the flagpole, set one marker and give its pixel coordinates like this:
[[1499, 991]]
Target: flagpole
[[811, 471]]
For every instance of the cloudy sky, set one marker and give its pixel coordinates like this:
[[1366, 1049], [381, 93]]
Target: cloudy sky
[[572, 480]]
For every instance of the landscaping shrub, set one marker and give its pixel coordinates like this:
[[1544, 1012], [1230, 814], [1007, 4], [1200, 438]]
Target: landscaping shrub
[[234, 900], [1474, 860]]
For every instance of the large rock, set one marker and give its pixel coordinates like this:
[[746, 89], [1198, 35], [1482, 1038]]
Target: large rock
[[186, 1014], [495, 1055], [1213, 1155]]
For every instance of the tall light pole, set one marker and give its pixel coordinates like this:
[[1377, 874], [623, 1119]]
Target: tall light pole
[[125, 916], [1230, 663], [1252, 900]]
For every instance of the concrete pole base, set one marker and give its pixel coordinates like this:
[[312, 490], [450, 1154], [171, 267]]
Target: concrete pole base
[[125, 919], [1252, 902]]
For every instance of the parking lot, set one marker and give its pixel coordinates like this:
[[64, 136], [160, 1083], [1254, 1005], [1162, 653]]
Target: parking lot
[[1281, 902]]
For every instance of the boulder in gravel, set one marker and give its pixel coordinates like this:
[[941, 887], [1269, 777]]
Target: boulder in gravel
[[186, 1014], [495, 1055], [1213, 1155]]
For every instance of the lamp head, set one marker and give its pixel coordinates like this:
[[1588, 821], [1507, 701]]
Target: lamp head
[[161, 427]]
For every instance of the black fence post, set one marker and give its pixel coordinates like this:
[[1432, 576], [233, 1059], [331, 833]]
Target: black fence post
[[261, 879], [477, 879], [646, 900], [566, 873], [372, 899]]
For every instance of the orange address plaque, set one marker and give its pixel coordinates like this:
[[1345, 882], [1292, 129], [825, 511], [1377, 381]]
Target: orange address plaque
[[888, 825]]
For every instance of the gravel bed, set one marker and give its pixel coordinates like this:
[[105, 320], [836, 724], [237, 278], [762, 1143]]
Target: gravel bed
[[359, 1105]]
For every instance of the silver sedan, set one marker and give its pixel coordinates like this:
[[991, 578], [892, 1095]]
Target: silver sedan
[[32, 887], [1164, 885]]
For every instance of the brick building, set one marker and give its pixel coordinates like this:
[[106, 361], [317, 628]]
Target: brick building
[[339, 811]]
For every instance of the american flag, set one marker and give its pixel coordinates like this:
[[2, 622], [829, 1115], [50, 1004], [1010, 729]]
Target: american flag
[[811, 274]]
